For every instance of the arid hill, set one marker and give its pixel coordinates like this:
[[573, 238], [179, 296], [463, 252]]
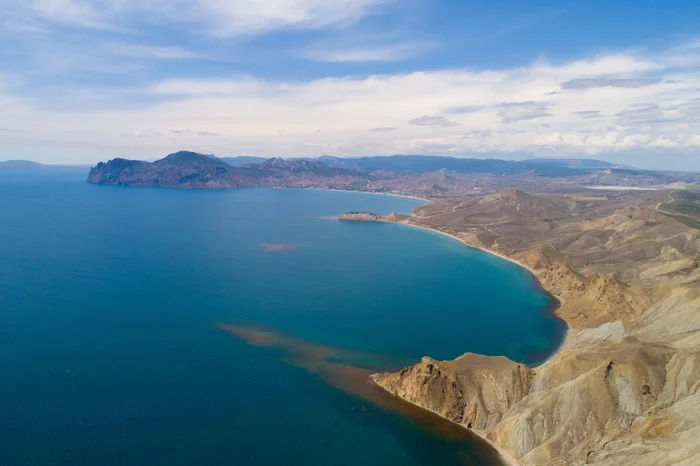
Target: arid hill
[[624, 387]]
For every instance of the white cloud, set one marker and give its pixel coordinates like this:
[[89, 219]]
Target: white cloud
[[221, 17], [254, 16], [433, 121], [143, 133], [192, 87], [185, 131], [590, 83], [367, 53], [511, 112], [76, 12], [368, 115], [150, 51]]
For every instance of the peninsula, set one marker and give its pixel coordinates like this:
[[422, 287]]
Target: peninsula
[[623, 388], [363, 217]]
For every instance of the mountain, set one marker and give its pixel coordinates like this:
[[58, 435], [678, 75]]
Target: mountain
[[193, 170], [28, 165], [280, 168], [586, 164], [181, 169], [417, 164], [241, 160]]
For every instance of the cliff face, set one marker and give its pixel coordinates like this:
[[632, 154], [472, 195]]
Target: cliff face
[[178, 170], [624, 389], [581, 401], [473, 390]]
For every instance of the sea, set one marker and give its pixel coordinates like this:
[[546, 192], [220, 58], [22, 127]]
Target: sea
[[147, 326]]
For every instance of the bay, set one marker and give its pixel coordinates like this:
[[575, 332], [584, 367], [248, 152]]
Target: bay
[[112, 302]]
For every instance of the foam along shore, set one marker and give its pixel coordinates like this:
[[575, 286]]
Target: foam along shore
[[610, 394]]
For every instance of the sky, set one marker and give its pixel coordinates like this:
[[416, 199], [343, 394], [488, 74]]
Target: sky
[[83, 81]]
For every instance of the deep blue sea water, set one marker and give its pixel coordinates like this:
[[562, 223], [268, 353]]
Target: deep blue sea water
[[110, 299]]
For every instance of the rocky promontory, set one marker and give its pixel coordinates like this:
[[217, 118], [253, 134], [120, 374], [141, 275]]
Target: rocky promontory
[[363, 217]]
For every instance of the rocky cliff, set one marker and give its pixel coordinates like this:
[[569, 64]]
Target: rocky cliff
[[624, 388], [473, 390]]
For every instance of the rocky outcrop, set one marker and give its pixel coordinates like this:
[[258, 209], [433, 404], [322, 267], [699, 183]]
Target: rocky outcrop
[[591, 301], [473, 390], [363, 217]]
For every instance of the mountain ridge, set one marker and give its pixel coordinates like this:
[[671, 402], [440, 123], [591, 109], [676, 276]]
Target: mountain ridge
[[189, 170]]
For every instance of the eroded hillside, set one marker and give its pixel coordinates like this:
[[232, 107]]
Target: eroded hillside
[[624, 387]]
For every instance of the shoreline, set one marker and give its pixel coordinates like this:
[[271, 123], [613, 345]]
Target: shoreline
[[504, 456], [507, 459], [362, 192], [558, 301]]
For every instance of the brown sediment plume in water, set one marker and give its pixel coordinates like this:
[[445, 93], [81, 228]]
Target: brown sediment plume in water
[[318, 359], [276, 247], [294, 347]]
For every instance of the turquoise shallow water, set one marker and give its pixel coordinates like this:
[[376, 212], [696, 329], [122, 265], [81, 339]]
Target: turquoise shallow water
[[110, 300]]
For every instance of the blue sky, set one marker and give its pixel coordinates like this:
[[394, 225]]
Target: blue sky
[[88, 80]]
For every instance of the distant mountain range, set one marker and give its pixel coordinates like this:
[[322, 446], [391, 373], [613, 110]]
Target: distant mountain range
[[417, 164], [586, 164], [407, 174], [27, 165], [416, 175], [242, 160]]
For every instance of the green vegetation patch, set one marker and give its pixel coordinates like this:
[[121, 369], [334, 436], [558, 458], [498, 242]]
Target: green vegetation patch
[[684, 206]]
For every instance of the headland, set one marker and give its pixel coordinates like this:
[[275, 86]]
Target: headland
[[624, 386]]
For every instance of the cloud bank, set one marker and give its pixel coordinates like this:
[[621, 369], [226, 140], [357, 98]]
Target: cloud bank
[[612, 103], [218, 17]]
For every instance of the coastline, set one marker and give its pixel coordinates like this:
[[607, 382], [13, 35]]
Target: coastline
[[363, 192], [559, 301], [507, 459]]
